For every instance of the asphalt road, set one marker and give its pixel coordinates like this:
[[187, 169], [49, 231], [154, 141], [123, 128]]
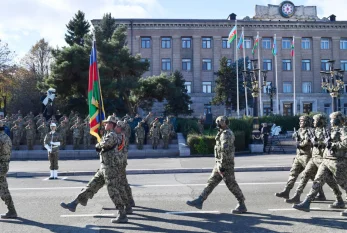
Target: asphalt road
[[161, 207]]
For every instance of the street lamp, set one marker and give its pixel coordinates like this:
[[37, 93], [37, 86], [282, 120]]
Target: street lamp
[[271, 91], [252, 77], [332, 81]]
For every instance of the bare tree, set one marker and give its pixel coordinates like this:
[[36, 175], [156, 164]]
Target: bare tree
[[6, 56]]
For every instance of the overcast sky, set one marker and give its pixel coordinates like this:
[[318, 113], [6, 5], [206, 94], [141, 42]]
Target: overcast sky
[[24, 22]]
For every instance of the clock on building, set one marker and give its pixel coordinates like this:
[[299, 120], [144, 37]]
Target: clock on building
[[287, 9]]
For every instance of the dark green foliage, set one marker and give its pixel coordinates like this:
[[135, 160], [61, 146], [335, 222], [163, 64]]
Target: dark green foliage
[[77, 28], [178, 99], [187, 126], [287, 123], [108, 26]]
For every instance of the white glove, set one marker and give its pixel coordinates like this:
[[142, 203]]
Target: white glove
[[55, 143], [48, 148]]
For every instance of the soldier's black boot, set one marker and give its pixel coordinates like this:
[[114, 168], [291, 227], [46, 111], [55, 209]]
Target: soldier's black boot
[[320, 196], [132, 203], [295, 199], [70, 206], [197, 203], [121, 217], [344, 213], [303, 206], [240, 208], [338, 204], [128, 209], [284, 194], [11, 213]]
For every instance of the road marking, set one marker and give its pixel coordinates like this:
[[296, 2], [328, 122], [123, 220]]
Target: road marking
[[59, 178], [291, 209], [84, 215], [193, 212], [48, 188]]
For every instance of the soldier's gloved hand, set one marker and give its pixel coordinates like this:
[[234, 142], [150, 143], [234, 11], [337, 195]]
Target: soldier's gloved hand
[[98, 149], [298, 145]]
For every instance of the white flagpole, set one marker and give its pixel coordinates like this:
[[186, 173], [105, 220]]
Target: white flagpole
[[259, 80], [237, 75], [277, 101], [244, 67], [294, 101]]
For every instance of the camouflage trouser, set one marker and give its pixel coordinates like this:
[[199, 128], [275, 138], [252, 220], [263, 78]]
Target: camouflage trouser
[[126, 143], [63, 141], [4, 192], [310, 171], [129, 195], [166, 141], [86, 141], [298, 166], [16, 142], [53, 158], [229, 179], [330, 169], [42, 137], [76, 143], [30, 143], [109, 176], [139, 142], [155, 141]]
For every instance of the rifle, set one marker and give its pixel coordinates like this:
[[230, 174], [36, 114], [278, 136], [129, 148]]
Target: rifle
[[296, 135], [327, 138]]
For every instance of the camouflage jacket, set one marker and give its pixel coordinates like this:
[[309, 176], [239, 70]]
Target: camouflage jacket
[[15, 131], [43, 130], [317, 151], [224, 149], [76, 131], [86, 130], [30, 132], [165, 129], [154, 132], [109, 157], [62, 129], [338, 148], [5, 152], [127, 130], [139, 132], [303, 139], [52, 137]]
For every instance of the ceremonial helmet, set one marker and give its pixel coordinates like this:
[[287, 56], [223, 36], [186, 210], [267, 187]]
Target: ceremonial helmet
[[338, 116], [306, 120], [222, 118], [321, 119], [53, 125]]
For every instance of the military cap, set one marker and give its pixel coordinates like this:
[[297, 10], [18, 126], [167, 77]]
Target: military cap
[[110, 119], [337, 115], [222, 118]]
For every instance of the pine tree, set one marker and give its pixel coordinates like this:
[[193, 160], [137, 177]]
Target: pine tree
[[77, 28], [178, 99], [108, 25]]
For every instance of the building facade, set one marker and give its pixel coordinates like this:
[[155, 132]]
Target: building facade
[[195, 47]]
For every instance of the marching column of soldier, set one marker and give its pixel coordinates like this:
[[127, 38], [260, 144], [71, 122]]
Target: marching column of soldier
[[321, 156]]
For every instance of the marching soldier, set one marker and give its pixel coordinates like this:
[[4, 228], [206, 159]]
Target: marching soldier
[[52, 143], [30, 135], [16, 136], [165, 134], [5, 155], [154, 133], [109, 173], [224, 168], [303, 155], [139, 135], [334, 162]]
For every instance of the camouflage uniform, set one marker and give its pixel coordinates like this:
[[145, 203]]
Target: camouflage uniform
[[154, 133], [139, 135], [62, 130], [127, 132], [76, 135], [53, 156], [165, 134], [5, 155], [86, 135], [224, 152], [43, 130], [16, 136], [303, 155], [30, 135]]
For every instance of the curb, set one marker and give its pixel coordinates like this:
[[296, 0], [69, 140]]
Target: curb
[[150, 171]]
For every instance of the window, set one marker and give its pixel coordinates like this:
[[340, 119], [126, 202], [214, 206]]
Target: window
[[206, 87], [148, 60], [266, 109], [305, 43], [186, 43], [248, 43], [288, 109], [206, 43], [267, 64], [145, 42], [287, 64], [343, 43], [186, 64], [307, 108], [266, 43], [266, 88], [327, 109], [287, 87], [306, 87], [286, 43], [344, 65], [325, 65], [345, 88], [229, 62], [206, 64], [345, 109], [166, 64], [165, 42], [225, 44], [325, 43], [188, 86], [306, 65]]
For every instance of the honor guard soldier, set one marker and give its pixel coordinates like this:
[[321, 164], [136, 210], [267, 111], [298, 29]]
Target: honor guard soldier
[[52, 143]]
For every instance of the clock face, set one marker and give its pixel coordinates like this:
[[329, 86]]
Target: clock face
[[287, 9]]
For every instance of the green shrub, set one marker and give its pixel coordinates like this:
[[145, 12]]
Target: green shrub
[[187, 126], [287, 123], [240, 140]]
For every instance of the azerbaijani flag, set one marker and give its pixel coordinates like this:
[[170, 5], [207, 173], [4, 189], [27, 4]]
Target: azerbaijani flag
[[256, 42], [95, 102], [274, 47], [232, 35], [292, 47], [239, 45]]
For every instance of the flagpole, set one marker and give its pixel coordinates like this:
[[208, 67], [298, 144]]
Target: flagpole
[[294, 101], [277, 101], [237, 75], [244, 67], [259, 80]]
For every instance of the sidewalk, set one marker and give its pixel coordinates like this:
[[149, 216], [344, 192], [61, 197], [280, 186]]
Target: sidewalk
[[244, 163]]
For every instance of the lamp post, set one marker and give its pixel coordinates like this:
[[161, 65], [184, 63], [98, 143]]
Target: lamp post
[[271, 91], [252, 77], [332, 81]]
